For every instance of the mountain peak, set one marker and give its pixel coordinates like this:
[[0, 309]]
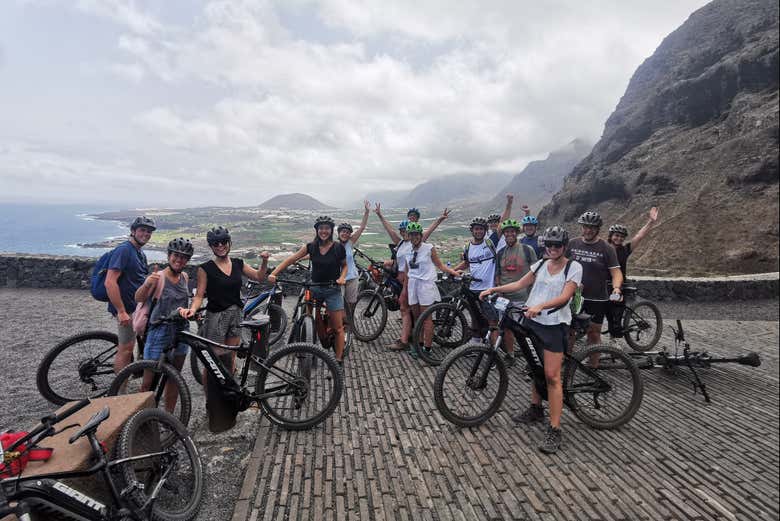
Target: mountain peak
[[295, 201]]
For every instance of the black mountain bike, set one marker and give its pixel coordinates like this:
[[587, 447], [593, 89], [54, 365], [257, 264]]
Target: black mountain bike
[[472, 381], [456, 319], [288, 391], [639, 320], [369, 317], [155, 474]]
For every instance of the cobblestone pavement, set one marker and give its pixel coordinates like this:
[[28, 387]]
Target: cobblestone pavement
[[387, 453]]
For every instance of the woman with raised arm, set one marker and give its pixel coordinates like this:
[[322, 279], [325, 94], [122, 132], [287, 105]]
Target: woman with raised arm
[[328, 265], [555, 279], [348, 239], [618, 234]]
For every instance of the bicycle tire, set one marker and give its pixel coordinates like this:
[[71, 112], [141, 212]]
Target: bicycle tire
[[291, 360], [463, 360], [613, 364], [446, 320], [80, 365], [369, 317], [631, 326], [129, 380], [144, 433]]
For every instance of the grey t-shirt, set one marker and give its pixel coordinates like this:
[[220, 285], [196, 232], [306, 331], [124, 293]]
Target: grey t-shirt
[[173, 296], [597, 258], [511, 264]]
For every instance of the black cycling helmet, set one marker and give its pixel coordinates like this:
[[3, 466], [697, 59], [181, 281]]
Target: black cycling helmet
[[493, 218], [478, 221], [555, 235], [619, 229], [181, 245], [590, 219], [413, 211], [344, 226], [218, 234], [143, 221], [324, 219]]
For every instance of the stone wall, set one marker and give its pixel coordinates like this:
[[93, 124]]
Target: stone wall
[[46, 271]]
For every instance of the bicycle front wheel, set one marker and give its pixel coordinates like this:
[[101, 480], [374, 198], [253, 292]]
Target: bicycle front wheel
[[369, 316], [299, 386], [602, 386], [642, 325], [176, 399], [450, 330], [173, 468], [81, 366], [470, 385]]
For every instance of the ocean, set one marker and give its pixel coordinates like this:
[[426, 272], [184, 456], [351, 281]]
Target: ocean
[[57, 229]]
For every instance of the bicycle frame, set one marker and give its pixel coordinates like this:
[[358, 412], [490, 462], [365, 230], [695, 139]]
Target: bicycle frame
[[264, 297], [465, 300]]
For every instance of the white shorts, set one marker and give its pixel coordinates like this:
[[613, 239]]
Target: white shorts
[[423, 292]]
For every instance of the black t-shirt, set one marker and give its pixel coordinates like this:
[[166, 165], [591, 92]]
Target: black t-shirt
[[326, 268], [223, 291], [623, 251], [596, 258]]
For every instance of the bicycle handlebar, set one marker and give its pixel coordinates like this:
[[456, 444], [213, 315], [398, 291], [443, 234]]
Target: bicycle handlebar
[[308, 283], [48, 421]]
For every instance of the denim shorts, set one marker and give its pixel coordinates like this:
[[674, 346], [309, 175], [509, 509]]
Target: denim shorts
[[330, 296], [159, 337]]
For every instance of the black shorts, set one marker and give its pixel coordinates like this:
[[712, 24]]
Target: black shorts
[[597, 309], [554, 338]]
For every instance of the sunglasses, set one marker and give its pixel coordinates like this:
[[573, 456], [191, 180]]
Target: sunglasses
[[219, 243], [413, 264], [553, 246]]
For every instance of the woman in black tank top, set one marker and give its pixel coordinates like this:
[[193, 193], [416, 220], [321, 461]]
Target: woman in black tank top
[[328, 264]]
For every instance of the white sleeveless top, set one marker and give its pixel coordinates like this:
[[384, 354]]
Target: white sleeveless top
[[425, 269]]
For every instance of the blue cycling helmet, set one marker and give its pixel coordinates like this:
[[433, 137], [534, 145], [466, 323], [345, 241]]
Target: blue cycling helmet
[[530, 219], [403, 224]]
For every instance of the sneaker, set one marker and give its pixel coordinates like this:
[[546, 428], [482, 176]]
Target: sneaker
[[399, 346], [413, 352], [552, 440], [426, 350], [509, 360], [535, 413]]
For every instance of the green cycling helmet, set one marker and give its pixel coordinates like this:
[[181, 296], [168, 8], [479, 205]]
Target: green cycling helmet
[[414, 228], [511, 223]]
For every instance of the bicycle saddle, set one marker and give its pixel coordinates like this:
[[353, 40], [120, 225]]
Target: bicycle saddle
[[257, 323], [92, 424]]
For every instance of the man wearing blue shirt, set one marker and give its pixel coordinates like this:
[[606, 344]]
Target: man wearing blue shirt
[[127, 270]]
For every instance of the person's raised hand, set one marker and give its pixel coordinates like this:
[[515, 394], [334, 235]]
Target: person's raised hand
[[654, 213]]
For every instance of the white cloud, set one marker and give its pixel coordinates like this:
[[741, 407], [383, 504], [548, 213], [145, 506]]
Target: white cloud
[[334, 97]]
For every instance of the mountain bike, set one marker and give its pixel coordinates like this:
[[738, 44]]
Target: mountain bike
[[369, 316], [638, 321], [472, 381], [310, 318], [455, 319], [289, 391], [682, 356], [154, 474]]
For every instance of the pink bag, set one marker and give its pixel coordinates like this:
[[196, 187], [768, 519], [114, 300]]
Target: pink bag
[[142, 312]]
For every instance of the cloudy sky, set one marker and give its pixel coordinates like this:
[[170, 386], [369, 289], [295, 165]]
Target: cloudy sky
[[228, 102]]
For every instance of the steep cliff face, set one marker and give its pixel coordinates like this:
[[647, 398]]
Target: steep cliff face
[[696, 133], [536, 184]]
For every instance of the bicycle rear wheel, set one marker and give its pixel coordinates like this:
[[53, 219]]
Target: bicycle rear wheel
[[602, 386], [130, 380], [642, 325], [277, 318], [300, 385], [81, 366], [470, 385], [369, 317], [450, 330], [153, 431]]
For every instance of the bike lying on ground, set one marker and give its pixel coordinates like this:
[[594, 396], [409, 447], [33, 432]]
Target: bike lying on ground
[[288, 391], [601, 384], [369, 317], [154, 474], [682, 356]]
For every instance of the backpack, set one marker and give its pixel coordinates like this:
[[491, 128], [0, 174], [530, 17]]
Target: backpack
[[575, 304], [488, 243], [97, 284], [13, 463], [144, 311]]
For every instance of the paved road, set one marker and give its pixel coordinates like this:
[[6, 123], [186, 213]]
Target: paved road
[[387, 454]]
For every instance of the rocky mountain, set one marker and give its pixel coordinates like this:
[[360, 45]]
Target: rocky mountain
[[536, 184], [293, 202], [456, 188], [388, 198], [696, 134]]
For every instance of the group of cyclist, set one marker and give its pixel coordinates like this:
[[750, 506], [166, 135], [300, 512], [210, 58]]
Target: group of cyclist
[[504, 256]]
